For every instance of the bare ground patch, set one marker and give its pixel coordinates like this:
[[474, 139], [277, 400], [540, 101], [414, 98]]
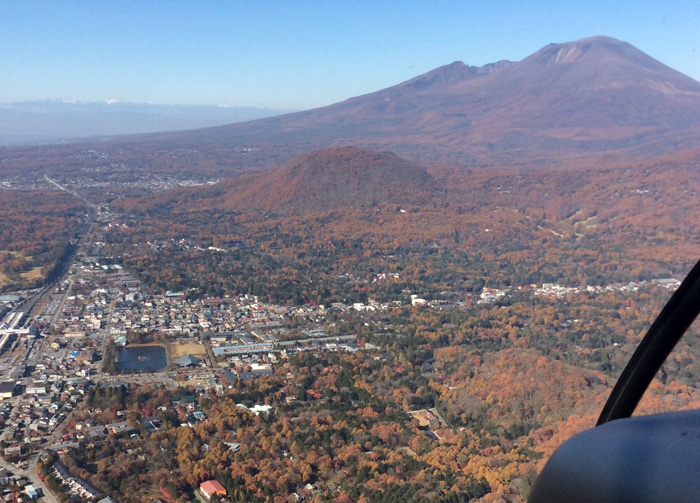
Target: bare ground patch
[[34, 273], [179, 349]]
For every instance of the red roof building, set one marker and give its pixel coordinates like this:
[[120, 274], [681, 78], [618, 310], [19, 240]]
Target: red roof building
[[210, 488]]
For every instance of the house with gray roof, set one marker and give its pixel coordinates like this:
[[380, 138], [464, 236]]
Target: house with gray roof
[[188, 361]]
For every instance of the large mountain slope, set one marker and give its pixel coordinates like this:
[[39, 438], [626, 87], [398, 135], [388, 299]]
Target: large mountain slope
[[595, 101], [593, 95]]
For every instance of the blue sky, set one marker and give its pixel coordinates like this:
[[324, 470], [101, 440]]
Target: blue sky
[[299, 54]]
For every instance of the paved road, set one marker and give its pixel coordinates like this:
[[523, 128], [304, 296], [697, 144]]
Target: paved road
[[72, 192], [31, 474], [210, 353], [48, 495]]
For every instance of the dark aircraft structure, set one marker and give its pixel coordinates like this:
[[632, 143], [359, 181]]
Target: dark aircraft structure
[[641, 459]]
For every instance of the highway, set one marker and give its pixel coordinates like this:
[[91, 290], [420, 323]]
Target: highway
[[71, 192]]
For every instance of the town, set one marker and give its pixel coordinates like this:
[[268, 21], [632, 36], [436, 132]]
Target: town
[[98, 328]]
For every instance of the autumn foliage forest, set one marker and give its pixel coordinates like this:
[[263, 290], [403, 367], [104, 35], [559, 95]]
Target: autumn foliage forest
[[510, 378], [36, 229], [576, 167], [479, 228], [509, 396]]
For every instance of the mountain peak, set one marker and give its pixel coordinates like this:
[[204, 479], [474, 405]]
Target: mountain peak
[[579, 98], [454, 73], [591, 47], [605, 54], [443, 75], [599, 39], [347, 176]]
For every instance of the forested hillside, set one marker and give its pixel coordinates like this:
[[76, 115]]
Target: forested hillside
[[421, 311]]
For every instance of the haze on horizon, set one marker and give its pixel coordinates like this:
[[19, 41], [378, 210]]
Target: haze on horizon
[[311, 54]]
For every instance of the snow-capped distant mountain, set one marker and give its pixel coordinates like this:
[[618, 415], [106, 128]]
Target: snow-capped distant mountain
[[52, 120]]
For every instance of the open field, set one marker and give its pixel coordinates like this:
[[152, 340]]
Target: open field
[[30, 275], [34, 273], [179, 349]]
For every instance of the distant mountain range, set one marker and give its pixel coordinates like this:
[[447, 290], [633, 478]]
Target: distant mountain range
[[51, 120]]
